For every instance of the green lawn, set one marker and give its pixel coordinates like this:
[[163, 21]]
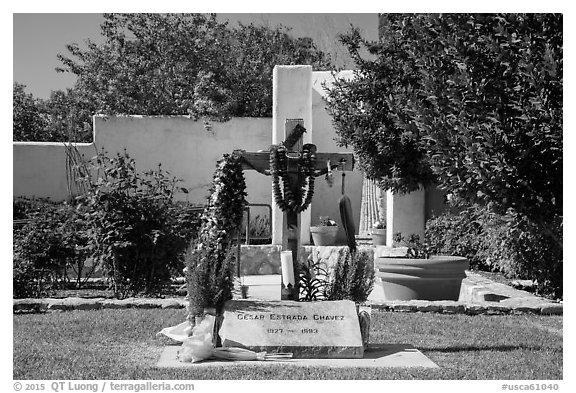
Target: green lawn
[[121, 344]]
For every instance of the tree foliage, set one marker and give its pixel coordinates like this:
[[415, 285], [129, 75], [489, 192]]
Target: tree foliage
[[472, 103], [28, 121], [69, 116], [178, 64], [65, 116], [165, 64]]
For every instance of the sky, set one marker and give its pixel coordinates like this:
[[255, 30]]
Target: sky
[[39, 37]]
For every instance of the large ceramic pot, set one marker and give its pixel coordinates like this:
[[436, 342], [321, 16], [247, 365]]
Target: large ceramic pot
[[437, 278], [324, 235], [378, 236]]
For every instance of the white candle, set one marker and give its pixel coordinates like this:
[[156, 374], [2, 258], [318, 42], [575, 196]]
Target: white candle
[[287, 268]]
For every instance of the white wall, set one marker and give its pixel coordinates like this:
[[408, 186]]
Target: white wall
[[186, 149], [39, 169], [183, 147]]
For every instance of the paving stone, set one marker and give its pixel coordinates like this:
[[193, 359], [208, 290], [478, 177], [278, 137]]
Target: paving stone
[[404, 307], [117, 303], [74, 303], [29, 305], [92, 304], [475, 309], [524, 310], [147, 303], [59, 304], [452, 307], [552, 309], [171, 303], [494, 309], [427, 306], [380, 306], [523, 304]]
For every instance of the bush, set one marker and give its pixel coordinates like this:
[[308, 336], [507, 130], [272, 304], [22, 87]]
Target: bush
[[521, 249], [25, 280], [43, 248], [137, 232], [458, 233], [25, 208], [509, 243], [352, 278]]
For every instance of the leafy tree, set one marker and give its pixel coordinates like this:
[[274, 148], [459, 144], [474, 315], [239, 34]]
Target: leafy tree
[[69, 116], [472, 103], [254, 52], [62, 117], [27, 115], [167, 64]]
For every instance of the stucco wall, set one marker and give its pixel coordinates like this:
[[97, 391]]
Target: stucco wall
[[39, 169], [186, 149], [183, 147]]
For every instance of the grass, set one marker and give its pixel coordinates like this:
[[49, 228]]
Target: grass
[[121, 344]]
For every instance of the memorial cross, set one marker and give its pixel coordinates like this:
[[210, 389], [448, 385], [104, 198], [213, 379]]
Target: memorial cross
[[260, 162]]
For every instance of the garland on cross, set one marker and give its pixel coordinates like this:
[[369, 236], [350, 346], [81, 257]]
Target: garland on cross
[[286, 199]]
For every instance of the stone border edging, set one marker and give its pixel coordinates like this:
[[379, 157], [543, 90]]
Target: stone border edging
[[75, 303], [444, 307], [454, 307]]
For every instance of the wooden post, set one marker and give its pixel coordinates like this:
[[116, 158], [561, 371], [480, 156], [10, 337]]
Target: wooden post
[[291, 230]]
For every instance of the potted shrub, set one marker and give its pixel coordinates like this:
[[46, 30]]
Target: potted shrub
[[378, 233], [419, 274], [324, 234]]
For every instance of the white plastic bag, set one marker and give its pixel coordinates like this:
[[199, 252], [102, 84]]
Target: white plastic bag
[[199, 346], [179, 332]]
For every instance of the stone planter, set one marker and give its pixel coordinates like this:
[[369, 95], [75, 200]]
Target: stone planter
[[324, 235], [378, 237], [437, 278]]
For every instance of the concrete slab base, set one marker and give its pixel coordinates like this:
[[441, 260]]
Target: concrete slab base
[[377, 356]]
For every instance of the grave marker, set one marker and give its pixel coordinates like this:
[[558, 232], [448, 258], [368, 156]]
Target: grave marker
[[307, 329]]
